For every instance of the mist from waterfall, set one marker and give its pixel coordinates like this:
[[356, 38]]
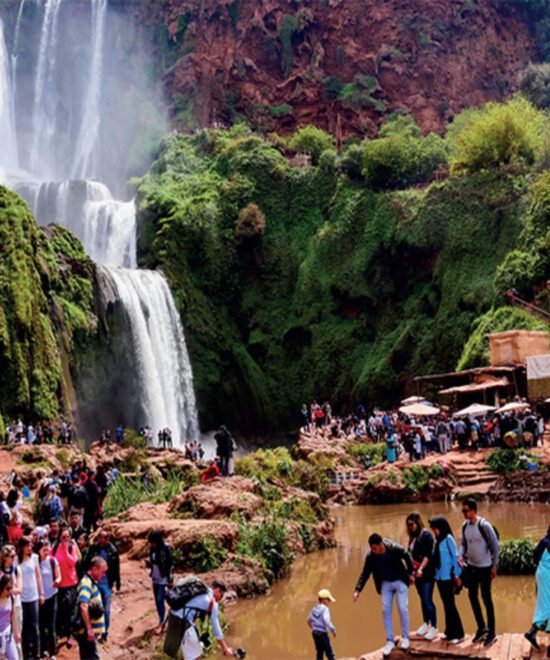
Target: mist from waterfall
[[64, 153]]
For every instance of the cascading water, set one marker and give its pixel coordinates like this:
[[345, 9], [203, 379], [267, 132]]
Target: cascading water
[[60, 147]]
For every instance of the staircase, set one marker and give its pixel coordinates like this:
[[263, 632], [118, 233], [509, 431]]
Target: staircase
[[471, 473], [515, 301]]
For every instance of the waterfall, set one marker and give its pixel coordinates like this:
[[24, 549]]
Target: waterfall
[[162, 364], [45, 97], [8, 144], [84, 163], [59, 143]]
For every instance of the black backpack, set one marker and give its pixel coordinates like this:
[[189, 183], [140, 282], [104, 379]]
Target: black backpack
[[184, 590]]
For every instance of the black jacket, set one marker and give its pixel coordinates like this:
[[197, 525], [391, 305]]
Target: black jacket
[[424, 547], [401, 560], [162, 557], [113, 562]]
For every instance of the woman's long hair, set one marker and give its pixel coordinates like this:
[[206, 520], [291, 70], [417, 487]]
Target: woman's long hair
[[415, 518], [442, 525]]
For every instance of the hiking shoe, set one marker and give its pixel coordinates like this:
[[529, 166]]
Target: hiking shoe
[[423, 629], [404, 645], [388, 649], [431, 634], [443, 636], [490, 640], [456, 641], [480, 634]]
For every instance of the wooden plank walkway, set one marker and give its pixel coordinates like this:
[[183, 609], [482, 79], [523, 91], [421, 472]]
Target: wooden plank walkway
[[507, 647]]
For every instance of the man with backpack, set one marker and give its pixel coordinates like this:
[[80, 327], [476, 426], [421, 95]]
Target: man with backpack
[[479, 552], [190, 599], [162, 566]]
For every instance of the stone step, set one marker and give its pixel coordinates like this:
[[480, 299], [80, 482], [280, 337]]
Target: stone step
[[478, 479]]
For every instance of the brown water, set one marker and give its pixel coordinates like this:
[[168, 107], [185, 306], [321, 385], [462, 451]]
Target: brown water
[[274, 627]]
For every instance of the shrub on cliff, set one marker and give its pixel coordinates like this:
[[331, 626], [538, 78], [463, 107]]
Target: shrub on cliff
[[498, 135], [535, 84], [508, 460], [400, 156], [312, 141], [516, 557]]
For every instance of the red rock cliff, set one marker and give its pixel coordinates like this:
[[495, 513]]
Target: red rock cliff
[[340, 64]]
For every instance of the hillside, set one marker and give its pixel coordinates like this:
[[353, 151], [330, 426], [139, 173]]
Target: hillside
[[339, 64]]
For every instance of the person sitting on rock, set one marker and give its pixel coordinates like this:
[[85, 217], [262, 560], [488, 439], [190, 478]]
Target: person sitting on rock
[[211, 472]]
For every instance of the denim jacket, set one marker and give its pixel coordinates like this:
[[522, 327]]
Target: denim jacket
[[448, 564]]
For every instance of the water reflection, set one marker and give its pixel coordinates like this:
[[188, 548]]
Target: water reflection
[[274, 627]]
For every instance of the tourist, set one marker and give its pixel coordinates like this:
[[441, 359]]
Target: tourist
[[391, 448], [206, 604], [4, 520], [304, 419], [9, 567], [480, 549], [162, 564], [92, 507], [54, 529], [541, 618], [50, 507], [224, 448], [108, 551], [67, 554], [421, 548], [15, 524], [392, 570], [75, 524], [32, 596], [82, 542], [211, 472], [78, 497], [51, 577], [447, 576], [442, 433], [321, 625], [91, 610], [9, 628]]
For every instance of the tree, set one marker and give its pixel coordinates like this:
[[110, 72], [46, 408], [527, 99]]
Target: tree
[[250, 224], [535, 85], [495, 136], [312, 141]]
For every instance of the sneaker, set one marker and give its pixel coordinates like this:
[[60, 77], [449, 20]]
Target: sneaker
[[443, 636], [456, 641], [480, 634], [490, 640], [404, 645], [431, 634], [388, 649], [423, 629]]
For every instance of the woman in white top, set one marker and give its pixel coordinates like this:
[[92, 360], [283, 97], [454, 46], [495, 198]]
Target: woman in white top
[[51, 577], [32, 596], [8, 567]]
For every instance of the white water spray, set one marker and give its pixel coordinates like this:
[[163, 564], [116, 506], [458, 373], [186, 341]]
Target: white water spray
[[8, 144]]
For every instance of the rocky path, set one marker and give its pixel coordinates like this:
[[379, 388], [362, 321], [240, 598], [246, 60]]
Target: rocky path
[[471, 473]]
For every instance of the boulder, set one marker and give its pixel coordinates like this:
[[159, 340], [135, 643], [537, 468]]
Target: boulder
[[218, 498]]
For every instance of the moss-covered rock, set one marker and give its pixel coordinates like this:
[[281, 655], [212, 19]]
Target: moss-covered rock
[[46, 302], [347, 293]]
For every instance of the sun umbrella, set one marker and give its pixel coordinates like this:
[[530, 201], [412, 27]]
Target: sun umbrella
[[411, 400], [513, 406], [475, 410], [421, 409]]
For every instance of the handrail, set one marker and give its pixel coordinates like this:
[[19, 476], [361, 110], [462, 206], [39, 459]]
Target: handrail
[[515, 300]]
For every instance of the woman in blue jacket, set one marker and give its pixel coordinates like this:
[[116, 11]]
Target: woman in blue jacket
[[447, 576]]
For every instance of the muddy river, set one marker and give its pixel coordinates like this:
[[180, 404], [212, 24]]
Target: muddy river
[[274, 627]]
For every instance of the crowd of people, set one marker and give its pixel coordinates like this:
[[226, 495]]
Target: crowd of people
[[56, 580], [416, 437], [16, 432], [434, 556]]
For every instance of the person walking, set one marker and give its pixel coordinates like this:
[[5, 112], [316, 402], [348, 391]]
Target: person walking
[[479, 552], [9, 628], [541, 618], [392, 570], [321, 625], [421, 548], [8, 567], [51, 577], [447, 576], [32, 596], [67, 554], [391, 448], [162, 565], [90, 608], [108, 551]]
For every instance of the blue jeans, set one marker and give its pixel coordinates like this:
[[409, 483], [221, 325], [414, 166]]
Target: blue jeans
[[106, 595], [401, 592], [425, 590], [159, 590]]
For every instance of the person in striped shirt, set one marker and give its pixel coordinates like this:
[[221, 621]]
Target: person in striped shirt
[[91, 610]]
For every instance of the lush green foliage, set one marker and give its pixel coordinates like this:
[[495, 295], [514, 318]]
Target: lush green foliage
[[415, 477], [126, 492], [516, 557], [352, 289], [508, 460], [268, 542], [496, 136], [205, 555], [375, 453], [312, 141]]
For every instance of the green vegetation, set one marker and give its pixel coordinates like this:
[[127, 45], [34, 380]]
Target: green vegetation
[[516, 557], [126, 492], [267, 541], [508, 460], [312, 141], [375, 453], [205, 555]]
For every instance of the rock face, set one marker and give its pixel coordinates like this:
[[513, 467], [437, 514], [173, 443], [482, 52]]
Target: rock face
[[218, 499], [522, 487], [340, 64]]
